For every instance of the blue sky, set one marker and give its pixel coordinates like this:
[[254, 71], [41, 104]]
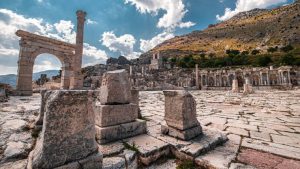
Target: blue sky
[[113, 27]]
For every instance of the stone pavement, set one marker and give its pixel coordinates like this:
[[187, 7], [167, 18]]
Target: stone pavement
[[264, 125], [266, 121]]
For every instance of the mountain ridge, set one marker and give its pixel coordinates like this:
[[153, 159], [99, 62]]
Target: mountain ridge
[[255, 29]]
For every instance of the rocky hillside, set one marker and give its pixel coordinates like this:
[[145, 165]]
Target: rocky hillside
[[255, 29]]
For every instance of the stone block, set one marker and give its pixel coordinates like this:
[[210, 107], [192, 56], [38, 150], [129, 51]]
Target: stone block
[[68, 132], [109, 115], [180, 110], [235, 86], [121, 131], [115, 88], [187, 134]]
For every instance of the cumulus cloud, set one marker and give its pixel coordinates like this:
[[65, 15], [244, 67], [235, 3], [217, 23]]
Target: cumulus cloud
[[246, 5], [63, 30], [146, 45], [174, 12], [91, 22], [123, 44]]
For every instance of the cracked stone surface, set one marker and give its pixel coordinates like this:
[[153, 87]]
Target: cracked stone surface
[[266, 124]]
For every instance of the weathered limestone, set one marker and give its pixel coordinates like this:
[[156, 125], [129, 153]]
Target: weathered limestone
[[116, 114], [115, 88], [68, 134], [3, 97], [235, 86], [247, 87], [180, 115]]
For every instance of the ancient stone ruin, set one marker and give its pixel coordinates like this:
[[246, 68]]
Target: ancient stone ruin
[[180, 115], [235, 86], [247, 87], [70, 55], [116, 114], [67, 139]]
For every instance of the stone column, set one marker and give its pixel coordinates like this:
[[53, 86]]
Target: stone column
[[180, 115], [197, 77], [235, 86], [247, 86], [268, 79], [289, 78], [65, 77], [77, 82], [143, 71], [130, 71], [25, 70]]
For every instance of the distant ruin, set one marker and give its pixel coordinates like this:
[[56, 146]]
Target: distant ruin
[[70, 55]]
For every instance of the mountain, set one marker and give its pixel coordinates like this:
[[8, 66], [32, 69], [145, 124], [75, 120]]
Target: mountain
[[256, 29], [11, 79]]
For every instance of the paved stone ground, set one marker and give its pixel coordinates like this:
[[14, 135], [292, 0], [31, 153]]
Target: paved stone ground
[[264, 125], [266, 121], [16, 121]]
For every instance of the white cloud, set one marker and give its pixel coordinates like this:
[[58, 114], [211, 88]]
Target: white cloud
[[63, 30], [91, 22], [146, 45], [246, 5], [92, 51], [123, 44], [175, 12], [45, 65]]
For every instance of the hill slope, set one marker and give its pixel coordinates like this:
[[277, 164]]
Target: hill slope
[[255, 29], [11, 79]]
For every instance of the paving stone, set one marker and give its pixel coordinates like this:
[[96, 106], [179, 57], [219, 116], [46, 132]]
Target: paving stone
[[131, 159], [238, 131], [15, 149], [286, 140], [203, 143], [243, 126], [274, 148], [240, 166], [150, 149], [260, 135], [220, 157], [265, 160], [15, 125], [267, 130], [236, 139], [169, 164], [114, 163], [111, 148]]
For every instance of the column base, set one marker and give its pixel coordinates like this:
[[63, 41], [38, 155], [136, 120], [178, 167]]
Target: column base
[[121, 131], [23, 93], [186, 135]]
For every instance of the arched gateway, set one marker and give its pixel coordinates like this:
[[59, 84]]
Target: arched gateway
[[70, 56]]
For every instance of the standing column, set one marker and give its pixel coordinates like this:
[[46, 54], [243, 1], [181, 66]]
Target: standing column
[[77, 80], [289, 78], [197, 77], [268, 79]]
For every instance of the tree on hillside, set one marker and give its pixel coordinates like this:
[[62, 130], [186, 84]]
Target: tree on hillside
[[287, 48], [264, 60], [255, 52], [272, 49]]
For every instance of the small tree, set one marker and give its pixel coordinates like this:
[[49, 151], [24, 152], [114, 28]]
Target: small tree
[[272, 50], [287, 48], [288, 59], [255, 52], [264, 60]]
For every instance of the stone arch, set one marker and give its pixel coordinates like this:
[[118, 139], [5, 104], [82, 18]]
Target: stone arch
[[273, 79], [211, 81], [31, 46]]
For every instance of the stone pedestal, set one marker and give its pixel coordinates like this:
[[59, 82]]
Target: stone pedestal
[[235, 86], [68, 135], [117, 112], [180, 115]]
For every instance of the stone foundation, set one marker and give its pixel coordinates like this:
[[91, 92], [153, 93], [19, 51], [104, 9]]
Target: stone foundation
[[121, 131]]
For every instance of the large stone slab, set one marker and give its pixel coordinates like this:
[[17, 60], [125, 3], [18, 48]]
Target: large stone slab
[[202, 144], [121, 131], [149, 148], [115, 88], [181, 134], [109, 115], [68, 132], [180, 110]]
